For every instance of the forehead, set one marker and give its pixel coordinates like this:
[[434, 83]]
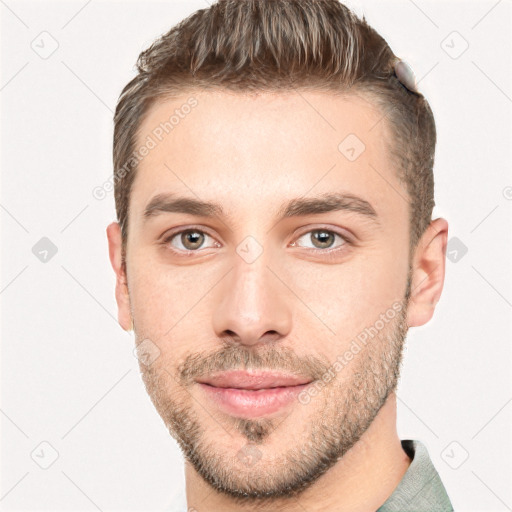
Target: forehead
[[236, 148]]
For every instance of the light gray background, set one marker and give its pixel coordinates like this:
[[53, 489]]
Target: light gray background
[[69, 377]]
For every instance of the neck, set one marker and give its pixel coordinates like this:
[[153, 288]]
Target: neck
[[361, 481]]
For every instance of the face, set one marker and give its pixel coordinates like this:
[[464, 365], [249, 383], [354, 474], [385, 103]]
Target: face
[[300, 268]]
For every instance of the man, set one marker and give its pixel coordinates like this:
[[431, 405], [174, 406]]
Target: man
[[274, 190]]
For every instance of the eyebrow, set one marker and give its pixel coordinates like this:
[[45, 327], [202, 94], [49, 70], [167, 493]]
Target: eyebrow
[[301, 206]]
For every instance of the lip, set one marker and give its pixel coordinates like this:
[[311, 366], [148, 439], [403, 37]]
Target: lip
[[240, 379], [250, 395]]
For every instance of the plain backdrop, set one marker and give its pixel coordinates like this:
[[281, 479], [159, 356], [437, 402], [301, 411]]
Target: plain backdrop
[[78, 431]]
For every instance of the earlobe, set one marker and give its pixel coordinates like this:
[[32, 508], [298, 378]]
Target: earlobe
[[428, 273], [122, 296]]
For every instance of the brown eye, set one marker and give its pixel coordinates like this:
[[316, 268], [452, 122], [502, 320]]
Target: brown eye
[[322, 239], [187, 240], [192, 239]]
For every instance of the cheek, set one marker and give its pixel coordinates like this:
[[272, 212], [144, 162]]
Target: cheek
[[168, 301], [349, 297], [156, 299]]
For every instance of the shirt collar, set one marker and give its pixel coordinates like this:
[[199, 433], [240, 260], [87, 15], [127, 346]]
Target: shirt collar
[[421, 488]]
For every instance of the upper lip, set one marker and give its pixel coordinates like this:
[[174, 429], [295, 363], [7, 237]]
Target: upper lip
[[253, 380]]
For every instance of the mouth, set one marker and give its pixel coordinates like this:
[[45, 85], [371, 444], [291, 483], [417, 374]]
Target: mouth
[[252, 394], [253, 380]]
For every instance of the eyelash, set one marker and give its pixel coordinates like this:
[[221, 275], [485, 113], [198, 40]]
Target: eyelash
[[193, 229]]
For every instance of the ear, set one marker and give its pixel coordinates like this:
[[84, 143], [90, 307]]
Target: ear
[[428, 273], [122, 297]]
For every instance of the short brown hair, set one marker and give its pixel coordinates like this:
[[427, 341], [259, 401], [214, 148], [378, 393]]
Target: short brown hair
[[276, 45]]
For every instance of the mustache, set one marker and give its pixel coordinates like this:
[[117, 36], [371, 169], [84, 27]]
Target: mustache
[[239, 357]]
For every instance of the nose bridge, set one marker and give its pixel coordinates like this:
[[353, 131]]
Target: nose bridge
[[253, 302]]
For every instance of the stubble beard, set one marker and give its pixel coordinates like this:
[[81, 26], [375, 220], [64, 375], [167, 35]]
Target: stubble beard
[[339, 415]]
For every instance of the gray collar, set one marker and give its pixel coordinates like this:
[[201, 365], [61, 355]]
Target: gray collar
[[421, 488]]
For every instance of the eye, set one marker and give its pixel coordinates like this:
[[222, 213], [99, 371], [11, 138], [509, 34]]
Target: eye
[[192, 240], [189, 240], [323, 239]]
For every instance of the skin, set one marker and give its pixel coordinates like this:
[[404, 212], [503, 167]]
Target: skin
[[293, 308]]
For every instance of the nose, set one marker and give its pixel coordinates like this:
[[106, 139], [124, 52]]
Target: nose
[[254, 306]]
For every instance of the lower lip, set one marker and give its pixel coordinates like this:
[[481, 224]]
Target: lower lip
[[252, 403]]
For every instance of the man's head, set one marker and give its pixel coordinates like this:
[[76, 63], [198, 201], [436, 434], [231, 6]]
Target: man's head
[[278, 219]]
